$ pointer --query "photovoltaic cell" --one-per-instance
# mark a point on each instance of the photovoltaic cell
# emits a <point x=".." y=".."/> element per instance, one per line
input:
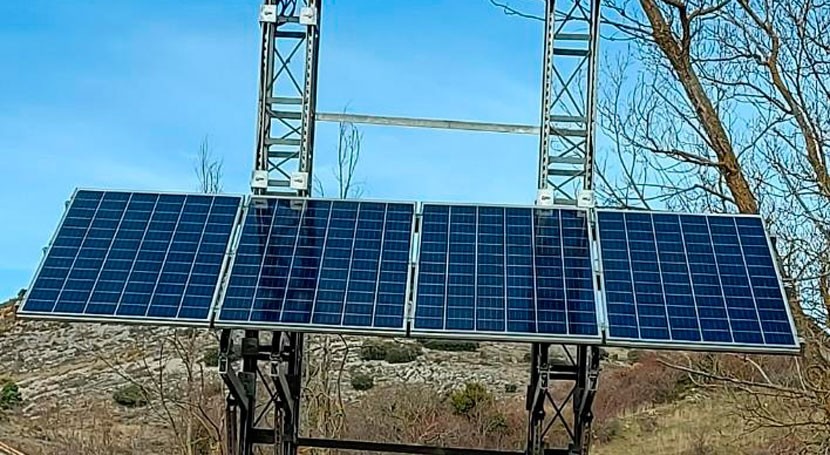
<point x="321" y="265"/>
<point x="505" y="272"/>
<point x="135" y="256"/>
<point x="692" y="280"/>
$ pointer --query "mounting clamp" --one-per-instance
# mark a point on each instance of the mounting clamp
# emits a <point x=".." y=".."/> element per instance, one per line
<point x="299" y="181"/>
<point x="268" y="13"/>
<point x="308" y="15"/>
<point x="585" y="199"/>
<point x="259" y="180"/>
<point x="544" y="197"/>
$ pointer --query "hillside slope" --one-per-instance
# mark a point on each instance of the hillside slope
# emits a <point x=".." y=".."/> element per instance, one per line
<point x="69" y="374"/>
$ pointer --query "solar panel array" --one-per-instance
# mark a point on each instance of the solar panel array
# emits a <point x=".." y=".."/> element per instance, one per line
<point x="318" y="264"/>
<point x="671" y="281"/>
<point x="135" y="256"/>
<point x="691" y="280"/>
<point x="508" y="272"/>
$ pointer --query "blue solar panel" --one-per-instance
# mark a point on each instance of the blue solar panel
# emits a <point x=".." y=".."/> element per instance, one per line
<point x="320" y="265"/>
<point x="505" y="272"/>
<point x="135" y="256"/>
<point x="692" y="280"/>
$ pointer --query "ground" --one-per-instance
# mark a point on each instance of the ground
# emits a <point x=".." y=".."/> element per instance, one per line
<point x="68" y="375"/>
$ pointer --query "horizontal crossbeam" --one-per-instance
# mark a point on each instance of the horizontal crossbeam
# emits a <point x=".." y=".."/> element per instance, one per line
<point x="396" y="448"/>
<point x="412" y="122"/>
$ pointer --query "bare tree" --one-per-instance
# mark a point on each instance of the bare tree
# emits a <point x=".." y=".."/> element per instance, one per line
<point x="723" y="106"/>
<point x="165" y="367"/>
<point x="349" y="141"/>
<point x="208" y="169"/>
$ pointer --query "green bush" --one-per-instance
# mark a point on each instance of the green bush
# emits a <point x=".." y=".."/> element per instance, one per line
<point x="10" y="396"/>
<point x="389" y="351"/>
<point x="373" y="350"/>
<point x="130" y="396"/>
<point x="450" y="345"/>
<point x="210" y="356"/>
<point x="362" y="381"/>
<point x="402" y="353"/>
<point x="496" y="423"/>
<point x="607" y="431"/>
<point x="560" y="361"/>
<point x="474" y="395"/>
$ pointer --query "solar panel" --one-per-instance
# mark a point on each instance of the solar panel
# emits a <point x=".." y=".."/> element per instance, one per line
<point x="320" y="265"/>
<point x="132" y="256"/>
<point x="692" y="281"/>
<point x="513" y="273"/>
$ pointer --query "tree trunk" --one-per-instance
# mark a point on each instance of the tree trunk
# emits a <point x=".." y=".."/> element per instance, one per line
<point x="678" y="56"/>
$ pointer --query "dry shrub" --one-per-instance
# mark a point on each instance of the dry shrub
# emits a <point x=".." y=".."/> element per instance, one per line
<point x="94" y="429"/>
<point x="788" y="444"/>
<point x="100" y="441"/>
<point x="780" y="370"/>
<point x="607" y="431"/>
<point x="419" y="415"/>
<point x="647" y="423"/>
<point x="646" y="383"/>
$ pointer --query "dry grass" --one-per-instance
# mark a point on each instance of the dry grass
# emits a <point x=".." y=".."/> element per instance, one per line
<point x="706" y="425"/>
<point x="632" y="388"/>
<point x="418" y="415"/>
<point x="93" y="428"/>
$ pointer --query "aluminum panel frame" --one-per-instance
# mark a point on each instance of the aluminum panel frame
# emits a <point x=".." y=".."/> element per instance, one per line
<point x="679" y="345"/>
<point x="100" y="319"/>
<point x="593" y="340"/>
<point x="309" y="327"/>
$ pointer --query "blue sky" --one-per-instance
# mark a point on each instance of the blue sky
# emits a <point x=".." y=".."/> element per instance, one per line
<point x="118" y="94"/>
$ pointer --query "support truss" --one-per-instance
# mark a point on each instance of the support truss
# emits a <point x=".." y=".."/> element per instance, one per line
<point x="263" y="405"/>
<point x="566" y="146"/>
<point x="287" y="94"/>
<point x="561" y="413"/>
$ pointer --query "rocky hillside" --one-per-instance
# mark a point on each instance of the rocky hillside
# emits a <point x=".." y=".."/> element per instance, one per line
<point x="102" y="389"/>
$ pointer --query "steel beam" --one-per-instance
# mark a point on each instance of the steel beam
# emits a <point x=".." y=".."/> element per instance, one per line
<point x="287" y="102"/>
<point x="412" y="122"/>
<point x="396" y="448"/>
<point x="235" y="388"/>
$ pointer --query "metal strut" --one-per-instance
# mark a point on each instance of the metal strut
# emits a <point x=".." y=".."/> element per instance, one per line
<point x="270" y="415"/>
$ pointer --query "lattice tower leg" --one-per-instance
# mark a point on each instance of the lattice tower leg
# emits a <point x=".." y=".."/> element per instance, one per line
<point x="566" y="143"/>
<point x="551" y="414"/>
